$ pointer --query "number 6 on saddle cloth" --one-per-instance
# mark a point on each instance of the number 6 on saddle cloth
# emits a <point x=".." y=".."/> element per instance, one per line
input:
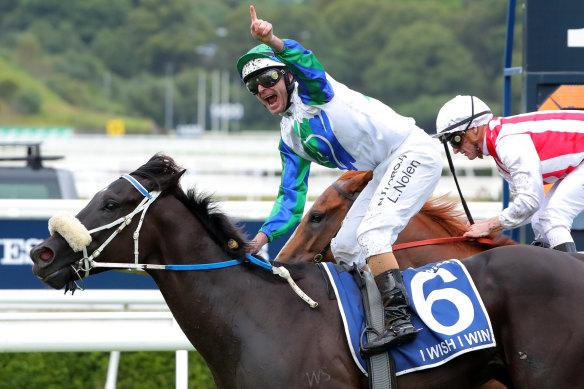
<point x="448" y="312"/>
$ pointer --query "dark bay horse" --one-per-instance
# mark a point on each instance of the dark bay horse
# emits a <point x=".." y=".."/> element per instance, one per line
<point x="254" y="331"/>
<point x="438" y="219"/>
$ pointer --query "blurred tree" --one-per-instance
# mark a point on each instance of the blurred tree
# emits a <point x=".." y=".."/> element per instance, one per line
<point x="27" y="101"/>
<point x="8" y="88"/>
<point x="481" y="28"/>
<point x="29" y="54"/>
<point x="117" y="54"/>
<point x="185" y="105"/>
<point x="83" y="66"/>
<point x="166" y="32"/>
<point x="438" y="65"/>
<point x="91" y="16"/>
<point x="345" y="22"/>
<point x="424" y="110"/>
<point x="87" y="17"/>
<point x="145" y="95"/>
<point x="56" y="38"/>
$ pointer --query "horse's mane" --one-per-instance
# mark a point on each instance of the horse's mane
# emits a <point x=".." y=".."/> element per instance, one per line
<point x="448" y="214"/>
<point x="164" y="174"/>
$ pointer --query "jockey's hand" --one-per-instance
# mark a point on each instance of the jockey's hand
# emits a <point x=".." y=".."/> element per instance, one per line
<point x="483" y="228"/>
<point x="254" y="245"/>
<point x="263" y="31"/>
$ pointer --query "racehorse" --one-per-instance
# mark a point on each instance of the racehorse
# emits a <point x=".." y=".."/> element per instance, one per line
<point x="428" y="237"/>
<point x="253" y="331"/>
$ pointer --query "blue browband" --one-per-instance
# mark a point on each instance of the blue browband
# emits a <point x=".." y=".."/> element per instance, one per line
<point x="137" y="185"/>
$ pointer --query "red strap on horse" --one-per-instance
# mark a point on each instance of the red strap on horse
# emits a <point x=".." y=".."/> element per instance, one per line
<point x="450" y="239"/>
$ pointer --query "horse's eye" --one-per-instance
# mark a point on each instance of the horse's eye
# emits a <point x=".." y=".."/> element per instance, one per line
<point x="316" y="217"/>
<point x="110" y="205"/>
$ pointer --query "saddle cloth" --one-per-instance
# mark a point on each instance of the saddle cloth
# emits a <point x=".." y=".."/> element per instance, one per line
<point x="448" y="312"/>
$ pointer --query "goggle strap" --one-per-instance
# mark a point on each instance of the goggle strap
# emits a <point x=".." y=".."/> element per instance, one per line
<point x="467" y="120"/>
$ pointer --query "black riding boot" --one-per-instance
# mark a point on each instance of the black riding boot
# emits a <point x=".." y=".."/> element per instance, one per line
<point x="569" y="247"/>
<point x="398" y="325"/>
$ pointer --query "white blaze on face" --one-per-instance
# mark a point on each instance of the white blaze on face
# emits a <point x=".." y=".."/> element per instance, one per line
<point x="71" y="229"/>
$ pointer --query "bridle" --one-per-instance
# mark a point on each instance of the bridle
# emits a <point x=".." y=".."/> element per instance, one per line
<point x="88" y="262"/>
<point x="401" y="246"/>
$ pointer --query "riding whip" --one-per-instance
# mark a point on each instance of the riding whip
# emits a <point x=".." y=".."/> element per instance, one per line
<point x="462" y="200"/>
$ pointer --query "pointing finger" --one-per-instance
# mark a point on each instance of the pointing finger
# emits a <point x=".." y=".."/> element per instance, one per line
<point x="253" y="13"/>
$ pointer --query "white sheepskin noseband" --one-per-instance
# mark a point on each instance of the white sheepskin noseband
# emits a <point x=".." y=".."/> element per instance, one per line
<point x="71" y="229"/>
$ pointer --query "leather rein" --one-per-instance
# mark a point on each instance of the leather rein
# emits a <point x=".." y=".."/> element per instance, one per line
<point x="402" y="246"/>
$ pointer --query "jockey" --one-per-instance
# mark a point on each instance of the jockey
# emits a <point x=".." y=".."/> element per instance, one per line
<point x="530" y="150"/>
<point x="325" y="122"/>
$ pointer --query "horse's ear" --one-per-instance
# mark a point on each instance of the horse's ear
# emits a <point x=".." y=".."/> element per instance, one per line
<point x="359" y="181"/>
<point x="175" y="178"/>
<point x="354" y="181"/>
<point x="368" y="175"/>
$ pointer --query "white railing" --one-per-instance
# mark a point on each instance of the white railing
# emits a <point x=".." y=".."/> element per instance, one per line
<point x="92" y="320"/>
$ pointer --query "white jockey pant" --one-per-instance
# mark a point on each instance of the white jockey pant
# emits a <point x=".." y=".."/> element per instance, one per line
<point x="401" y="185"/>
<point x="552" y="223"/>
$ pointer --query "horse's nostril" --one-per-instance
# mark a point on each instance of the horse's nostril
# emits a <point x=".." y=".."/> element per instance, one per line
<point x="46" y="254"/>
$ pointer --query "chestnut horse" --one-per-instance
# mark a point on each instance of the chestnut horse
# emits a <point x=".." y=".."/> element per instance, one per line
<point x="254" y="331"/>
<point x="438" y="218"/>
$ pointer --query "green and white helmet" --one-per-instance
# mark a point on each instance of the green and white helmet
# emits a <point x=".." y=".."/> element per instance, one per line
<point x="257" y="59"/>
<point x="460" y="114"/>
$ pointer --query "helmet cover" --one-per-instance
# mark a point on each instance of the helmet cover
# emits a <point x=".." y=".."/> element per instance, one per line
<point x="460" y="114"/>
<point x="263" y="52"/>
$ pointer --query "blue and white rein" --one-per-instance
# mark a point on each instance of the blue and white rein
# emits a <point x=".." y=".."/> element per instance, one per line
<point x="87" y="263"/>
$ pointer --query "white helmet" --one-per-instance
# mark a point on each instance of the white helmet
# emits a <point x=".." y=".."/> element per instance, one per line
<point x="253" y="66"/>
<point x="460" y="114"/>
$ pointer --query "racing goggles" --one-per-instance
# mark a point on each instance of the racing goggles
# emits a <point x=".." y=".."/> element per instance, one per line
<point x="267" y="79"/>
<point x="455" y="139"/>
